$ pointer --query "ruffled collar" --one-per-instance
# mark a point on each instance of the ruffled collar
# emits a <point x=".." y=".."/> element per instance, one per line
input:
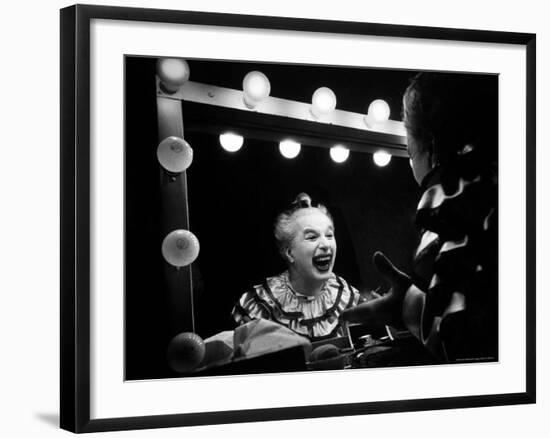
<point x="292" y="302"/>
<point x="285" y="278"/>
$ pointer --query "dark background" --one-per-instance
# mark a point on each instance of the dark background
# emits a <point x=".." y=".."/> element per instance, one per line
<point x="234" y="198"/>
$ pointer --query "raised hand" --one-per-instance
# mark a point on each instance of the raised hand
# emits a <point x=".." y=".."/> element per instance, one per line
<point x="388" y="308"/>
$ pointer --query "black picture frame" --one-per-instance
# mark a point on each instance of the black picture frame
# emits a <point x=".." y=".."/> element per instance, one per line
<point x="76" y="210"/>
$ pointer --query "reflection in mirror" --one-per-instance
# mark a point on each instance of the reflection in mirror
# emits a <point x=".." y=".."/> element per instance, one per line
<point x="230" y="200"/>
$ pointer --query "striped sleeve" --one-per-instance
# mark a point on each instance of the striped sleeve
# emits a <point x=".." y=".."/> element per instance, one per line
<point x="459" y="268"/>
<point x="250" y="307"/>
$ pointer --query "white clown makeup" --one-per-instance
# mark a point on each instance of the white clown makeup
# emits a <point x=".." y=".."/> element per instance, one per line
<point x="312" y="251"/>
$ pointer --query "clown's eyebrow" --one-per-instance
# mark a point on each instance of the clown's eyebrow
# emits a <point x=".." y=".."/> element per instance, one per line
<point x="314" y="230"/>
<point x="307" y="231"/>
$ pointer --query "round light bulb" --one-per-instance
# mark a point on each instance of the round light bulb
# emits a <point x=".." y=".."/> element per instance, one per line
<point x="180" y="248"/>
<point x="381" y="158"/>
<point x="185" y="352"/>
<point x="231" y="142"/>
<point x="378" y="112"/>
<point x="323" y="102"/>
<point x="173" y="73"/>
<point x="289" y="148"/>
<point x="174" y="154"/>
<point x="256" y="87"/>
<point x="339" y="153"/>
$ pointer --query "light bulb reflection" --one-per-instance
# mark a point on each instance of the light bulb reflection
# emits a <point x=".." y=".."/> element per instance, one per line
<point x="231" y="142"/>
<point x="339" y="153"/>
<point x="381" y="158"/>
<point x="289" y="148"/>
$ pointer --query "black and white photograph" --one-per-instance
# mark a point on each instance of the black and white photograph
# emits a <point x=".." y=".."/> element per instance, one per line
<point x="279" y="218"/>
<point x="297" y="218"/>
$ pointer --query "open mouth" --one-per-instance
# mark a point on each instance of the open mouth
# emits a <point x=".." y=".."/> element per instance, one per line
<point x="322" y="262"/>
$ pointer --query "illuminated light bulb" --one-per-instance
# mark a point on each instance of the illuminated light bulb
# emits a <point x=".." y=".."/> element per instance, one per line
<point x="378" y="112"/>
<point x="173" y="73"/>
<point x="256" y="87"/>
<point x="289" y="148"/>
<point x="381" y="158"/>
<point x="174" y="154"/>
<point x="231" y="142"/>
<point x="180" y="248"/>
<point x="339" y="153"/>
<point x="323" y="102"/>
